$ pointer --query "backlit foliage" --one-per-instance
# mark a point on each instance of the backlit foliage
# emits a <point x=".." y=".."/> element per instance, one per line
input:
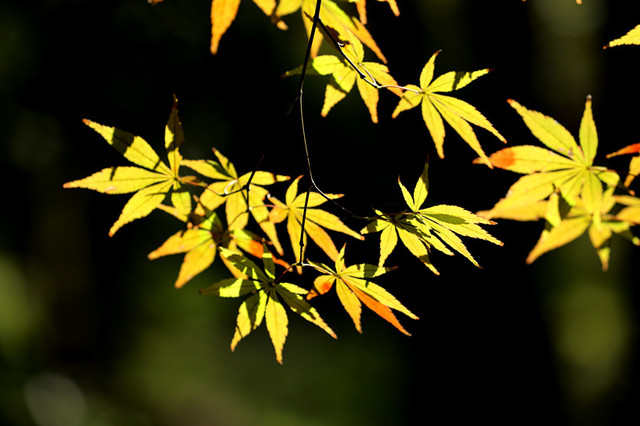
<point x="237" y="217"/>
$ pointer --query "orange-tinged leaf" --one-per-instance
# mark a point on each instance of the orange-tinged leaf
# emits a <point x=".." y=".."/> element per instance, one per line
<point x="634" y="164"/>
<point x="223" y="12"/>
<point x="321" y="285"/>
<point x="355" y="281"/>
<point x="351" y="304"/>
<point x="380" y="309"/>
<point x="629" y="149"/>
<point x="529" y="159"/>
<point x="118" y="180"/>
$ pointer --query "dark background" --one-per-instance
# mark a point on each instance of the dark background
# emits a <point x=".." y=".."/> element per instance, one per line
<point x="92" y="333"/>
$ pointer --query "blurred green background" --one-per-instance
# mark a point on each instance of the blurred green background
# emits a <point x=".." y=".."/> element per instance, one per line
<point x="92" y="333"/>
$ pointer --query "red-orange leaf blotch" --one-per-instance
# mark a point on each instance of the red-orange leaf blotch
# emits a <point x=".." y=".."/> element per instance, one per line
<point x="629" y="149"/>
<point x="502" y="159"/>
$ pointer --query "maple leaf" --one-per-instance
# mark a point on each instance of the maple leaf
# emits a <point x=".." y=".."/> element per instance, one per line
<point x="565" y="166"/>
<point x="634" y="165"/>
<point x="368" y="76"/>
<point x="436" y="106"/>
<point x="230" y="190"/>
<point x="423" y="229"/>
<point x="348" y="28"/>
<point x="267" y="298"/>
<point x="562" y="186"/>
<point x="151" y="179"/>
<point x="200" y="242"/>
<point x="354" y="287"/>
<point x="293" y="209"/>
<point x="632" y="37"/>
<point x="223" y="13"/>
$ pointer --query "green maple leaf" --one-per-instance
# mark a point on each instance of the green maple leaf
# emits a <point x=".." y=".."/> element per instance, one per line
<point x="151" y="180"/>
<point x="229" y="189"/>
<point x="266" y="299"/>
<point x="436" y="106"/>
<point x="353" y="286"/>
<point x="563" y="166"/>
<point x="292" y="211"/>
<point x="344" y="76"/>
<point x="561" y="185"/>
<point x="423" y="229"/>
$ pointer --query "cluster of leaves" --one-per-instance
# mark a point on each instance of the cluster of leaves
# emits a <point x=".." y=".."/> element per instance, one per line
<point x="216" y="207"/>
<point x="561" y="185"/>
